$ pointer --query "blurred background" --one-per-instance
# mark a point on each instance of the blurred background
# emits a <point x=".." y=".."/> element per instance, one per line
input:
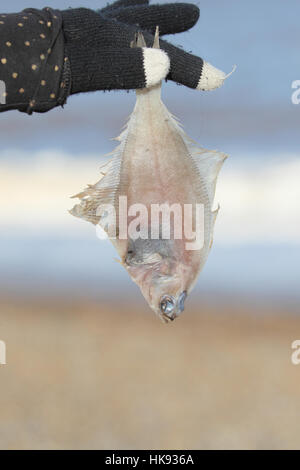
<point x="89" y="366"/>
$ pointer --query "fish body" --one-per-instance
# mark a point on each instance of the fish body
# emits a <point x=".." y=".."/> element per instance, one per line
<point x="156" y="165"/>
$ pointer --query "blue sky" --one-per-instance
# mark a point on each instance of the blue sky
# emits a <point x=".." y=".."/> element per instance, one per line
<point x="46" y="158"/>
<point x="251" y="114"/>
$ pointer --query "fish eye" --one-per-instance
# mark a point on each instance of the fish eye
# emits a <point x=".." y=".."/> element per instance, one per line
<point x="167" y="305"/>
<point x="181" y="300"/>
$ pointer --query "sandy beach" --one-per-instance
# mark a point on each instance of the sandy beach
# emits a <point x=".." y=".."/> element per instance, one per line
<point x="86" y="375"/>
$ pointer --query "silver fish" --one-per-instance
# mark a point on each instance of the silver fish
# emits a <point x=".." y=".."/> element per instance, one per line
<point x="156" y="163"/>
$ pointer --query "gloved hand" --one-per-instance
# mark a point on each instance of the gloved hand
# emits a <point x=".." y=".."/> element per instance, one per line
<point x="97" y="45"/>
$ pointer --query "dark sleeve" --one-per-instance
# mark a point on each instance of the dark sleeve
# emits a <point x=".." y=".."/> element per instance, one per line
<point x="34" y="73"/>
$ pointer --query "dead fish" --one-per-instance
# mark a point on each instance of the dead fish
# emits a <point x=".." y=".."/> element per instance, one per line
<point x="156" y="164"/>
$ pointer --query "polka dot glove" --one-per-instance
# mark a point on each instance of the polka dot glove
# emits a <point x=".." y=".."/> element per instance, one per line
<point x="34" y="75"/>
<point x="98" y="47"/>
<point x="47" y="55"/>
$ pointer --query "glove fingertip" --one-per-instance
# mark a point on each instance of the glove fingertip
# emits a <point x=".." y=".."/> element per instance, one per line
<point x="211" y="78"/>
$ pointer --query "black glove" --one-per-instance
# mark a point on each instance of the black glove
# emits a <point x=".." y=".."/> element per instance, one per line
<point x="97" y="45"/>
<point x="46" y="55"/>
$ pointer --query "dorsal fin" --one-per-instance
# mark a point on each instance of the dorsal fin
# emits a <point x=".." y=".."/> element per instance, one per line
<point x="209" y="164"/>
<point x="101" y="193"/>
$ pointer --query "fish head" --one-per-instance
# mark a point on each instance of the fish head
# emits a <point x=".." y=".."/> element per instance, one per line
<point x="164" y="282"/>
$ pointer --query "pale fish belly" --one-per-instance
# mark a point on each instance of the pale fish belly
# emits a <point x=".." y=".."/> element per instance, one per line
<point x="157" y="163"/>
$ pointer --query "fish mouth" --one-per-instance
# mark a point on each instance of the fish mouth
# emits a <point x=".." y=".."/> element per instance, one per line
<point x="168" y="319"/>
